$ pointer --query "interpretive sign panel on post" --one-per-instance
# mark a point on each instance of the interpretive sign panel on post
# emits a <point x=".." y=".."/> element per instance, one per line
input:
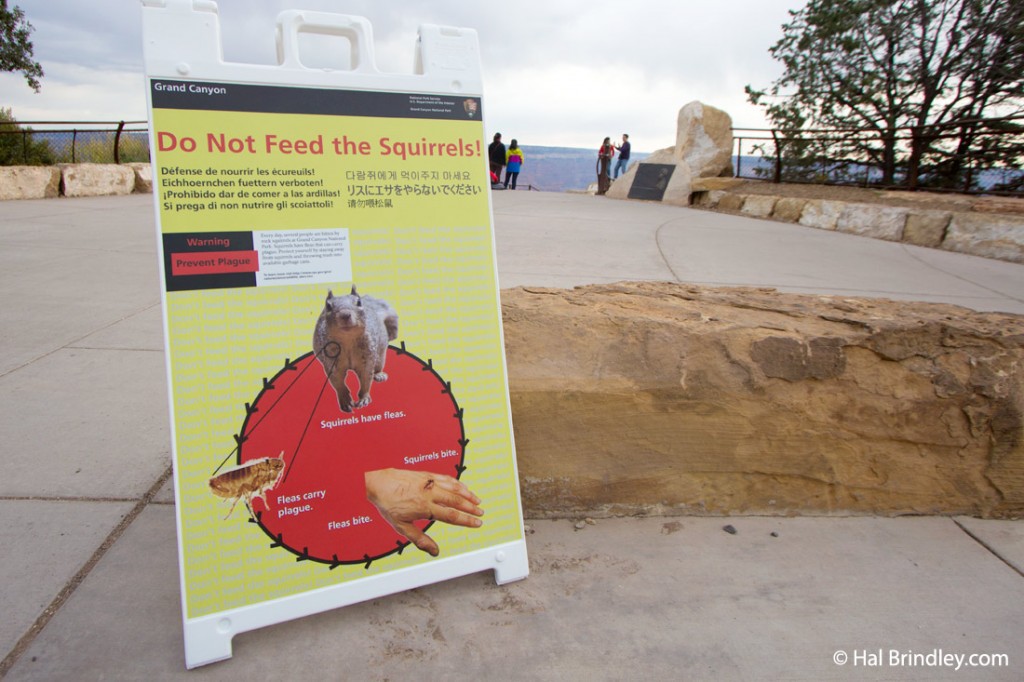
<point x="339" y="397"/>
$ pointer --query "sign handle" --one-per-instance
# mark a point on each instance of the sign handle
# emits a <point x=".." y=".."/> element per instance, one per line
<point x="356" y="30"/>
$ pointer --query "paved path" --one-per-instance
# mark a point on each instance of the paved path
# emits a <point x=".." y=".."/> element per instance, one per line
<point x="89" y="572"/>
<point x="566" y="239"/>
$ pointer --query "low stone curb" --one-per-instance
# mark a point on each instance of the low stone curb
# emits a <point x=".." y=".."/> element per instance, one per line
<point x="991" y="235"/>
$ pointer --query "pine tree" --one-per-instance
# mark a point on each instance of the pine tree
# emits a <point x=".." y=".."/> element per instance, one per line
<point x="15" y="46"/>
<point x="905" y="82"/>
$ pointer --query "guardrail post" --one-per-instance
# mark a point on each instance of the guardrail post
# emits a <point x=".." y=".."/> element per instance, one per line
<point x="117" y="143"/>
<point x="778" y="158"/>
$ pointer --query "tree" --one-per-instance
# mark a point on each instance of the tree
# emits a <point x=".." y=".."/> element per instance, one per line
<point x="936" y="68"/>
<point x="19" y="147"/>
<point x="15" y="46"/>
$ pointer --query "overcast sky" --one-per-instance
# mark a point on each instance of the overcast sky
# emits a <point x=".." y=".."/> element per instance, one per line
<point x="556" y="72"/>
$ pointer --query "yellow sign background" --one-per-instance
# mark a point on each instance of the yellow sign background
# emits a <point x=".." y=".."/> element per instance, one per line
<point x="429" y="252"/>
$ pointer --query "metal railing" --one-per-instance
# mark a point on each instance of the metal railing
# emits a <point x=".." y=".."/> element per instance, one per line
<point x="969" y="156"/>
<point x="37" y="143"/>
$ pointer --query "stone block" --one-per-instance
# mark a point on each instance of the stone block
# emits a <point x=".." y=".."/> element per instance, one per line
<point x="707" y="198"/>
<point x="789" y="209"/>
<point x="732" y="202"/>
<point x="926" y="228"/>
<point x="988" y="235"/>
<point x="29" y="182"/>
<point x="870" y="220"/>
<point x="759" y="205"/>
<point x="143" y="177"/>
<point x="701" y="400"/>
<point x="821" y="214"/>
<point x="95" y="180"/>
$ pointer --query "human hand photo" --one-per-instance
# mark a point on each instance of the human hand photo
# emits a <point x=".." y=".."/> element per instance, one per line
<point x="403" y="496"/>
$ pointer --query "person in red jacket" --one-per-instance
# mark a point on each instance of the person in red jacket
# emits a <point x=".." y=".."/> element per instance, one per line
<point x="604" y="162"/>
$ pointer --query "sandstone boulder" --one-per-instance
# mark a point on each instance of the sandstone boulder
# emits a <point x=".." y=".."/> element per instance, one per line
<point x="677" y="190"/>
<point x="989" y="235"/>
<point x="732" y="202"/>
<point x="94" y="179"/>
<point x="143" y="177"/>
<point x="703" y="149"/>
<point x="29" y="182"/>
<point x="758" y="205"/>
<point x="663" y="398"/>
<point x="704" y="140"/>
<point x="789" y="209"/>
<point x="926" y="228"/>
<point x="709" y="198"/>
<point x="868" y="220"/>
<point x="822" y="214"/>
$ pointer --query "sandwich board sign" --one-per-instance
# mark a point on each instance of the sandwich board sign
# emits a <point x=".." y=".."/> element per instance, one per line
<point x="339" y="396"/>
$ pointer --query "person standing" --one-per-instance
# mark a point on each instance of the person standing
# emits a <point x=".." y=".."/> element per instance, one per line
<point x="496" y="154"/>
<point x="623" y="163"/>
<point x="514" y="159"/>
<point x="604" y="162"/>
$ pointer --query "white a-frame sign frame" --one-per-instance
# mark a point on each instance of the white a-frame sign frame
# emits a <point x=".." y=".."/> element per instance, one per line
<point x="339" y="395"/>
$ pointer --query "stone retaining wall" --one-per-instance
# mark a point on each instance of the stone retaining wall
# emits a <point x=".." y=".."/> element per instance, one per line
<point x="74" y="180"/>
<point x="642" y="398"/>
<point x="987" y="234"/>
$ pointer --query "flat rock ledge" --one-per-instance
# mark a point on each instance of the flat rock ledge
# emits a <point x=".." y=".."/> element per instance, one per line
<point x="658" y="398"/>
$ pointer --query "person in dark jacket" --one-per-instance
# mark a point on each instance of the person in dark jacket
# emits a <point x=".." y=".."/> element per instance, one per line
<point x="496" y="154"/>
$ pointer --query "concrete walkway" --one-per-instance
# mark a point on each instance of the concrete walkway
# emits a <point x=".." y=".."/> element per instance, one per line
<point x="89" y="572"/>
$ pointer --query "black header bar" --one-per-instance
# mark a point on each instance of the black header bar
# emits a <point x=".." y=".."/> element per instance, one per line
<point x="275" y="99"/>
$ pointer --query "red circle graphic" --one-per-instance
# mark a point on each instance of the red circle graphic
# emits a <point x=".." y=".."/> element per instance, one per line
<point x="318" y="509"/>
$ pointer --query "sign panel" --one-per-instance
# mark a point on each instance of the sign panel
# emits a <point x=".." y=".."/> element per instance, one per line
<point x="651" y="180"/>
<point x="339" y="397"/>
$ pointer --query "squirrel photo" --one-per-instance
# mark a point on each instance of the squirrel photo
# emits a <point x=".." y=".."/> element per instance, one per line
<point x="352" y="333"/>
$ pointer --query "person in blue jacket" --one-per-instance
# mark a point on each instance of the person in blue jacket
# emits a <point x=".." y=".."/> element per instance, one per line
<point x="513" y="163"/>
<point x="623" y="163"/>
